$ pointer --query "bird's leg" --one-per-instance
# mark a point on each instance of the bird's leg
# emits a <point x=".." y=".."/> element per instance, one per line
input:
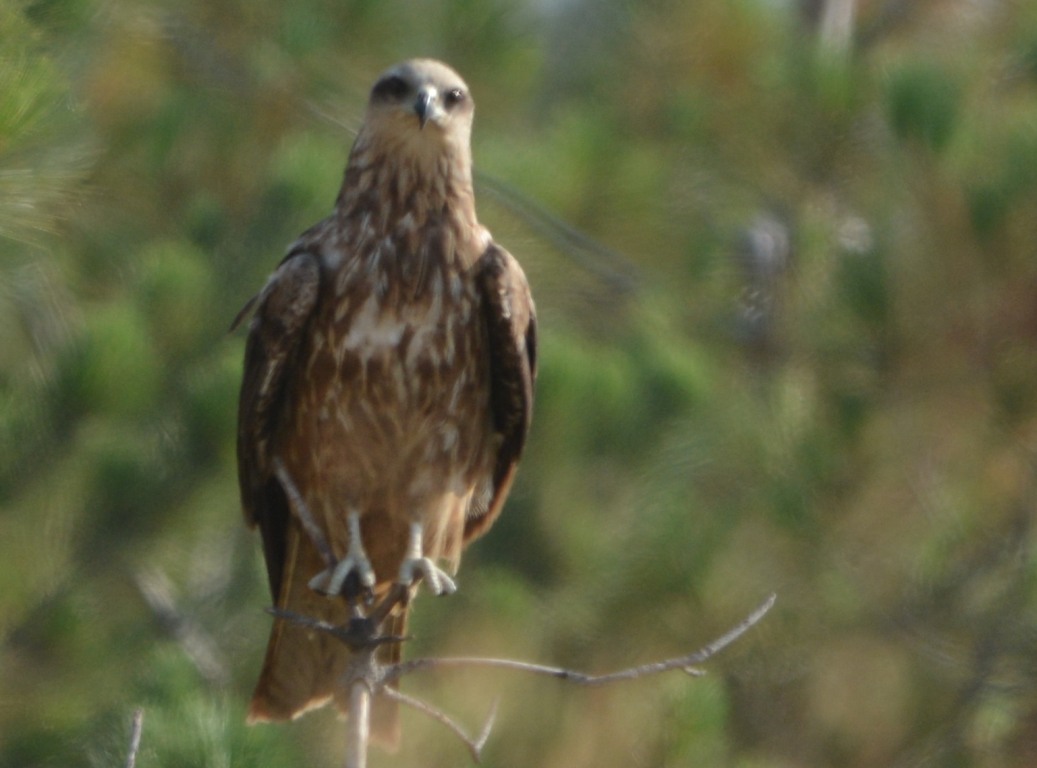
<point x="302" y="512"/>
<point x="415" y="566"/>
<point x="356" y="564"/>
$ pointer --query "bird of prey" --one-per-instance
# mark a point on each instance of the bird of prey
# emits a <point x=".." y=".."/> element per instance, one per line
<point x="388" y="387"/>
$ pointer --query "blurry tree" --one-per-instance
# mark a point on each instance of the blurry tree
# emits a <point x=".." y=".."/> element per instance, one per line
<point x="784" y="259"/>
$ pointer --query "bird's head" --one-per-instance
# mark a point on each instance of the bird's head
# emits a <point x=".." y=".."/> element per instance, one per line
<point x="421" y="105"/>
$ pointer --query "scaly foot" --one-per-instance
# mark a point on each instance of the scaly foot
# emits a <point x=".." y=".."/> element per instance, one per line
<point x="356" y="564"/>
<point x="416" y="566"/>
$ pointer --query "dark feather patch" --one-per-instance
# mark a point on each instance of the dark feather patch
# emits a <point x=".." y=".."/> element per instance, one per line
<point x="510" y="319"/>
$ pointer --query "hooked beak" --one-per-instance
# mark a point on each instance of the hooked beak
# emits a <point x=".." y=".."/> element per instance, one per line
<point x="425" y="105"/>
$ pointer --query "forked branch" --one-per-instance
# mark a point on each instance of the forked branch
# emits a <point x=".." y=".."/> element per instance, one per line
<point x="474" y="745"/>
<point x="367" y="677"/>
<point x="580" y="678"/>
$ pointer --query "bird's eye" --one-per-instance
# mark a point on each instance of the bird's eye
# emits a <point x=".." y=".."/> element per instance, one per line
<point x="453" y="97"/>
<point x="391" y="87"/>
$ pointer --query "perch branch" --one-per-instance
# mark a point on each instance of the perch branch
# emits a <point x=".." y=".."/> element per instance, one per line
<point x="580" y="678"/>
<point x="367" y="677"/>
<point x="360" y="633"/>
<point x="359" y="724"/>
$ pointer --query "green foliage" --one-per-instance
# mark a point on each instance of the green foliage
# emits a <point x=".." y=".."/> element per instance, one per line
<point x="788" y="347"/>
<point x="114" y="368"/>
<point x="176" y="292"/>
<point x="38" y="161"/>
<point x="924" y="102"/>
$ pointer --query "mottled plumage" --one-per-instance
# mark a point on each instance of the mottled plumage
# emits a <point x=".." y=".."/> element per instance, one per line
<point x="389" y="371"/>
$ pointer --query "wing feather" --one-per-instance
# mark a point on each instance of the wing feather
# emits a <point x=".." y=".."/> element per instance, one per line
<point x="276" y="333"/>
<point x="510" y="319"/>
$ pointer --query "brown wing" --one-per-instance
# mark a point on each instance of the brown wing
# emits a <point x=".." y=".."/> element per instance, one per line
<point x="510" y="320"/>
<point x="276" y="334"/>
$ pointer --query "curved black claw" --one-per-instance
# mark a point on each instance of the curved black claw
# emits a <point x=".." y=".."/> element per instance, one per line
<point x="358" y="633"/>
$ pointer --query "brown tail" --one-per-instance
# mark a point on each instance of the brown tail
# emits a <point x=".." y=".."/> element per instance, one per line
<point x="304" y="668"/>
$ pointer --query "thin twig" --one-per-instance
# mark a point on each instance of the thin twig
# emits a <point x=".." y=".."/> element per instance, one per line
<point x="135" y="733"/>
<point x="475" y="745"/>
<point x="192" y="637"/>
<point x="685" y="663"/>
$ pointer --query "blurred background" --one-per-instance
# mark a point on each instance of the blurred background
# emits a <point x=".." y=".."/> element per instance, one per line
<point x="784" y="258"/>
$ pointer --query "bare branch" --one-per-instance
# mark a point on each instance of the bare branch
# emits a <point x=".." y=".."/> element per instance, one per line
<point x="484" y="734"/>
<point x="475" y="745"/>
<point x="359" y="724"/>
<point x="367" y="677"/>
<point x="135" y="733"/>
<point x="580" y="678"/>
<point x="199" y="646"/>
